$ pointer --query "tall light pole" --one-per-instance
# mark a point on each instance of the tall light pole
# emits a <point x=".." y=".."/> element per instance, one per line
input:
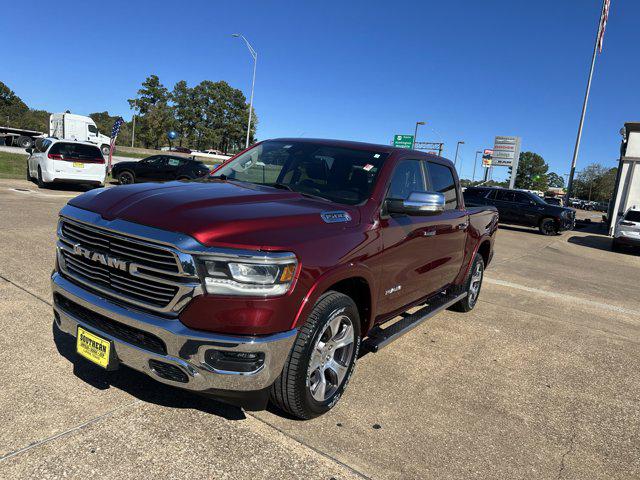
<point x="254" y="55"/>
<point x="455" y="160"/>
<point x="133" y="132"/>
<point x="415" y="134"/>
<point x="473" y="178"/>
<point x="597" y="45"/>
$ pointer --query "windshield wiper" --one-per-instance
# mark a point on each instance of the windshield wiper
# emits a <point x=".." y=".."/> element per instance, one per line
<point x="222" y="176"/>
<point x="281" y="186"/>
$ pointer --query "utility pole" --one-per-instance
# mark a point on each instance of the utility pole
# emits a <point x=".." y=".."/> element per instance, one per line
<point x="455" y="160"/>
<point x="133" y="131"/>
<point x="475" y="160"/>
<point x="415" y="133"/>
<point x="254" y="55"/>
<point x="603" y="16"/>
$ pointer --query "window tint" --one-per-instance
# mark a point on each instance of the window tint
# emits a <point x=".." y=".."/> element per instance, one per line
<point x="93" y="129"/>
<point x="493" y="194"/>
<point x="76" y="150"/>
<point x="407" y="178"/>
<point x="441" y="180"/>
<point x="521" y="198"/>
<point x="155" y="160"/>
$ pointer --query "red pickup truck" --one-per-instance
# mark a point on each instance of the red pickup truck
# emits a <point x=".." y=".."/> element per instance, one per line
<point x="264" y="280"/>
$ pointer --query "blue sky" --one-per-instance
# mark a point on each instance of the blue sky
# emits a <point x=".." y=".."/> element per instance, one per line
<point x="361" y="70"/>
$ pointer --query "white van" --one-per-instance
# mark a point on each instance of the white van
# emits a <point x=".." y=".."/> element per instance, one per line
<point x="70" y="126"/>
<point x="53" y="160"/>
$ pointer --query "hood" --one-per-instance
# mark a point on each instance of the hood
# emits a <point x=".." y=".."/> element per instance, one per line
<point x="220" y="213"/>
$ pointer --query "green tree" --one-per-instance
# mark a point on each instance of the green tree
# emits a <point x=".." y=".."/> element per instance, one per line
<point x="532" y="172"/>
<point x="185" y="110"/>
<point x="155" y="117"/>
<point x="555" y="180"/>
<point x="12" y="108"/>
<point x="595" y="182"/>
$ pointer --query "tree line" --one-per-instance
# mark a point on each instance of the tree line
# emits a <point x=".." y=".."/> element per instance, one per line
<point x="210" y="115"/>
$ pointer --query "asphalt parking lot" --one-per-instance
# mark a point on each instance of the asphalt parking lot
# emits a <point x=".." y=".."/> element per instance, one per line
<point x="541" y="380"/>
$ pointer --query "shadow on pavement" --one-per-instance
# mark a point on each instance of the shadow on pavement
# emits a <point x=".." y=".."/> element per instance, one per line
<point x="599" y="242"/>
<point x="138" y="384"/>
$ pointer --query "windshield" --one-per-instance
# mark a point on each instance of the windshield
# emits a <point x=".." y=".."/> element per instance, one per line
<point x="342" y="175"/>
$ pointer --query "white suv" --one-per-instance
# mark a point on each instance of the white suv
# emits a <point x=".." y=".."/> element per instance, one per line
<point x="53" y="160"/>
<point x="627" y="231"/>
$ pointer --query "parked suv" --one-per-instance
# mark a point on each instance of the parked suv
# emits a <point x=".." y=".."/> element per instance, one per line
<point x="627" y="231"/>
<point x="519" y="207"/>
<point x="52" y="160"/>
<point x="264" y="280"/>
<point x="159" y="168"/>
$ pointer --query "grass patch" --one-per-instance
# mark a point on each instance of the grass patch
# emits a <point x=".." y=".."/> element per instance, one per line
<point x="119" y="153"/>
<point x="13" y="165"/>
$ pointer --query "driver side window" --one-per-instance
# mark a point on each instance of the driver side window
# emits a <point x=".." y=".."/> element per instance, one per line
<point x="407" y="177"/>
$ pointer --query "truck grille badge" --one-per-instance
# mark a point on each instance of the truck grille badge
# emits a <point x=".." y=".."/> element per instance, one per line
<point x="102" y="258"/>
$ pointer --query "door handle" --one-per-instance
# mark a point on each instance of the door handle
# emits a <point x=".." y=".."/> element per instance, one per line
<point x="463" y="225"/>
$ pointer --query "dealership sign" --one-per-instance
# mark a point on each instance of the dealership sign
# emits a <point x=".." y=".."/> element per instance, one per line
<point x="505" y="151"/>
<point x="487" y="156"/>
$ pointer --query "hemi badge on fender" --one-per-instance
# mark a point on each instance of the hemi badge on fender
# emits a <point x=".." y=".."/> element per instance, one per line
<point x="335" y="217"/>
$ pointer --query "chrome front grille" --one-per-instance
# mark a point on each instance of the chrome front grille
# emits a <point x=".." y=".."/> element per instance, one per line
<point x="148" y="275"/>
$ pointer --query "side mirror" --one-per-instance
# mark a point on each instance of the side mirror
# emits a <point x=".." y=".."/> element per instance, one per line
<point x="418" y="203"/>
<point x="29" y="150"/>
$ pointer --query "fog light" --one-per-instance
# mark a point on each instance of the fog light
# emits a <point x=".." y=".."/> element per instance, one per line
<point x="241" y="362"/>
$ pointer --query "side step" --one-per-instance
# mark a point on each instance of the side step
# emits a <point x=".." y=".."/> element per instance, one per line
<point x="380" y="337"/>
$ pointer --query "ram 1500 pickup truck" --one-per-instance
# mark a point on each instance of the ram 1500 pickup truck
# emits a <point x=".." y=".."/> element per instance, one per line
<point x="264" y="280"/>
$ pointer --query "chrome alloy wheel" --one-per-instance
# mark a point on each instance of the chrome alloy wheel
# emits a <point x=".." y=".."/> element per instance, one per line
<point x="476" y="282"/>
<point x="330" y="359"/>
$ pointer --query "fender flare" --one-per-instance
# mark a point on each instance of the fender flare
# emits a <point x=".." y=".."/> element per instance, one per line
<point x="481" y="240"/>
<point x="322" y="284"/>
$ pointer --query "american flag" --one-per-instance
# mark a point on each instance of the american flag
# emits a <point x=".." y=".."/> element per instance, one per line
<point x="114" y="135"/>
<point x="603" y="23"/>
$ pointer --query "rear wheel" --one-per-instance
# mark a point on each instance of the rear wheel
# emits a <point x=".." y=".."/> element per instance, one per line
<point x="105" y="149"/>
<point x="126" y="178"/>
<point x="25" y="142"/>
<point x="472" y="285"/>
<point x="39" y="180"/>
<point x="322" y="359"/>
<point x="548" y="226"/>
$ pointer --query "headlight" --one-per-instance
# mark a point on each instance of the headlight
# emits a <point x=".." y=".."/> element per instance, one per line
<point x="266" y="276"/>
<point x="566" y="213"/>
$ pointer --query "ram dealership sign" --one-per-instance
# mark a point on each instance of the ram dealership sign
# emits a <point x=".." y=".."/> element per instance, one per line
<point x="505" y="151"/>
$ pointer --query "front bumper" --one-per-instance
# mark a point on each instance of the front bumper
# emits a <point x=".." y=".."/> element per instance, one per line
<point x="624" y="238"/>
<point x="185" y="348"/>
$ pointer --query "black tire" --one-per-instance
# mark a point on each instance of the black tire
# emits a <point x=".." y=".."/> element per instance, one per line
<point x="473" y="291"/>
<point x="548" y="226"/>
<point x="25" y="142"/>
<point x="39" y="180"/>
<point x="293" y="390"/>
<point x="105" y="150"/>
<point x="126" y="178"/>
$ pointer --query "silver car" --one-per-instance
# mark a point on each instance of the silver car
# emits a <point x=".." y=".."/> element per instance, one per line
<point x="627" y="231"/>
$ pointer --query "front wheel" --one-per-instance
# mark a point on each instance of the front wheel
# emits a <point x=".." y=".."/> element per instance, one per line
<point x="105" y="150"/>
<point x="548" y="226"/>
<point x="126" y="178"/>
<point x="322" y="359"/>
<point x="472" y="285"/>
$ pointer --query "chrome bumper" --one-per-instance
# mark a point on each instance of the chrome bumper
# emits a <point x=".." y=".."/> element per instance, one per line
<point x="185" y="347"/>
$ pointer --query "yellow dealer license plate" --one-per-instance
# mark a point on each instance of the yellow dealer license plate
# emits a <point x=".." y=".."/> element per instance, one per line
<point x="93" y="348"/>
<point x="78" y="164"/>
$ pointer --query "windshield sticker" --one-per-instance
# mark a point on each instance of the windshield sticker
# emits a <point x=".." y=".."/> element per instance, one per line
<point x="287" y="146"/>
<point x="367" y="167"/>
<point x="377" y="155"/>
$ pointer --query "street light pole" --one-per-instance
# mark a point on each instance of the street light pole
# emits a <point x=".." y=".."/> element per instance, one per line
<point x="415" y="134"/>
<point x="254" y="55"/>
<point x="133" y="132"/>
<point x="584" y="104"/>
<point x="475" y="160"/>
<point x="455" y="160"/>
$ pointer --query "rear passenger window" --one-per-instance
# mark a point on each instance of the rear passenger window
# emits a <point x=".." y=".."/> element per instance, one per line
<point x="441" y="180"/>
<point x="407" y="178"/>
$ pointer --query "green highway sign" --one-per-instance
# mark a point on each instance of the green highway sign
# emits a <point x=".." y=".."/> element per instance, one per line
<point x="403" y="141"/>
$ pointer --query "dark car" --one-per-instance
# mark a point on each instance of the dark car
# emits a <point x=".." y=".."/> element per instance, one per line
<point x="159" y="168"/>
<point x="519" y="207"/>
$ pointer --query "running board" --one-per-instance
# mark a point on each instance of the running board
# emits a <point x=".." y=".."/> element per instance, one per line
<point x="380" y="337"/>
